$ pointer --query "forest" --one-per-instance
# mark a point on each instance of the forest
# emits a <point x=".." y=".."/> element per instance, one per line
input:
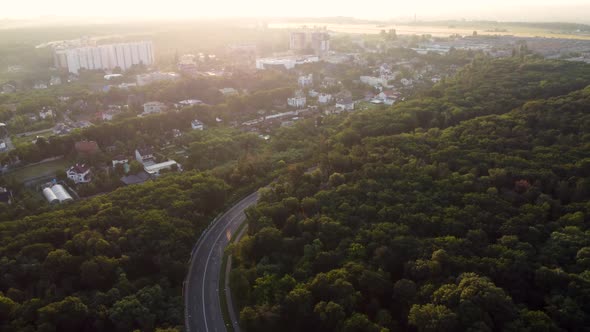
<point x="463" y="208"/>
<point x="446" y="214"/>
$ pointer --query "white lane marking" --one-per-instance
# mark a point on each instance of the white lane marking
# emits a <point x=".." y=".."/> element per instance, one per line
<point x="209" y="257"/>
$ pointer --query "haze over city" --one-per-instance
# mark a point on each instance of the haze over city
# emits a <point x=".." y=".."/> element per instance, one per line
<point x="501" y="10"/>
<point x="308" y="165"/>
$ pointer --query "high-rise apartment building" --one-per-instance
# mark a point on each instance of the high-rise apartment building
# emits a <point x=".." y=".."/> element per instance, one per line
<point x="316" y="40"/>
<point x="104" y="57"/>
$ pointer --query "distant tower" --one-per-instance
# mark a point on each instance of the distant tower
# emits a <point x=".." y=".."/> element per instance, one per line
<point x="297" y="41"/>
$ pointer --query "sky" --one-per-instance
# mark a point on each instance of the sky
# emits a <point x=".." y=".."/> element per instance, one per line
<point x="501" y="10"/>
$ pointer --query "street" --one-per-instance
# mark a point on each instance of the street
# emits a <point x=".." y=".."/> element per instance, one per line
<point x="201" y="293"/>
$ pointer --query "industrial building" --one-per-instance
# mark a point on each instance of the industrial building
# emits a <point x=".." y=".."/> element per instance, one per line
<point x="104" y="57"/>
<point x="56" y="193"/>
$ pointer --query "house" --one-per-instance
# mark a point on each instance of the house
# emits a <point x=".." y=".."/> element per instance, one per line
<point x="406" y="82"/>
<point x="86" y="148"/>
<point x="79" y="173"/>
<point x="329" y="82"/>
<point x="61" y="129"/>
<point x="40" y="86"/>
<point x="188" y="102"/>
<point x="297" y="102"/>
<point x="305" y="80"/>
<point x="46" y="113"/>
<point x="145" y="79"/>
<point x="120" y="159"/>
<point x="197" y="125"/>
<point x="106" y="115"/>
<point x="388" y="97"/>
<point x="153" y="107"/>
<point x="144" y="155"/>
<point x="324" y="98"/>
<point x="345" y="104"/>
<point x="313" y="93"/>
<point x="228" y="91"/>
<point x="109" y="113"/>
<point x="375" y="81"/>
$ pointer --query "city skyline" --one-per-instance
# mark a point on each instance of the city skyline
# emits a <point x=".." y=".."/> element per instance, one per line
<point x="501" y="10"/>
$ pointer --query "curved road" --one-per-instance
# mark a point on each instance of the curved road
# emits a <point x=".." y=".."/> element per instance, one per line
<point x="201" y="292"/>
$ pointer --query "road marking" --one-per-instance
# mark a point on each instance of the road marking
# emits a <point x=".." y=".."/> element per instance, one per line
<point x="207" y="264"/>
<point x="207" y="232"/>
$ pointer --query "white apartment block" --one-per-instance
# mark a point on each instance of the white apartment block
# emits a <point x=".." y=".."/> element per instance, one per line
<point x="104" y="57"/>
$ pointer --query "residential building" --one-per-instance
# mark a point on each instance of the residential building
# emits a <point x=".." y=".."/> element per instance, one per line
<point x="305" y="80"/>
<point x="187" y="64"/>
<point x="302" y="40"/>
<point x="40" y="86"/>
<point x="104" y="57"/>
<point x="120" y="160"/>
<point x="345" y="104"/>
<point x="79" y="173"/>
<point x="297" y="41"/>
<point x="149" y="78"/>
<point x="313" y="93"/>
<point x="46" y="113"/>
<point x="189" y="102"/>
<point x="388" y="97"/>
<point x="324" y="98"/>
<point x="375" y="81"/>
<point x="298" y="101"/>
<point x="197" y="125"/>
<point x="144" y="155"/>
<point x="228" y="91"/>
<point x="153" y="107"/>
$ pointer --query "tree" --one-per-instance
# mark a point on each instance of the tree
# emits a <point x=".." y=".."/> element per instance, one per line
<point x="432" y="318"/>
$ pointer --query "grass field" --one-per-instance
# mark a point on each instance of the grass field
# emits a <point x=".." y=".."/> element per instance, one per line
<point x="17" y="140"/>
<point x="39" y="170"/>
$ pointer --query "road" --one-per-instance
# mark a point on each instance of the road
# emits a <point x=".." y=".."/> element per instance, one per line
<point x="201" y="293"/>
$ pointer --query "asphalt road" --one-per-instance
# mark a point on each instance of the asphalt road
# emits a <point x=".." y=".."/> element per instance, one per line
<point x="201" y="290"/>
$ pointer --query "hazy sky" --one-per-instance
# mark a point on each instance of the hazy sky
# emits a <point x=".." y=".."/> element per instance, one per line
<point x="515" y="10"/>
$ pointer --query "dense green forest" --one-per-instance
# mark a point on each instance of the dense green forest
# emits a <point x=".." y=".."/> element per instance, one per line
<point x="464" y="212"/>
<point x="114" y="262"/>
<point x="463" y="208"/>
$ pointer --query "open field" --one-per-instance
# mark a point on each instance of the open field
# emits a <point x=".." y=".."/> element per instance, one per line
<point x="39" y="170"/>
<point x="441" y="30"/>
<point x="18" y="140"/>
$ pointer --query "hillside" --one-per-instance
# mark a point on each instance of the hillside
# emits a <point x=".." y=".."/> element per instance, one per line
<point x="479" y="226"/>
